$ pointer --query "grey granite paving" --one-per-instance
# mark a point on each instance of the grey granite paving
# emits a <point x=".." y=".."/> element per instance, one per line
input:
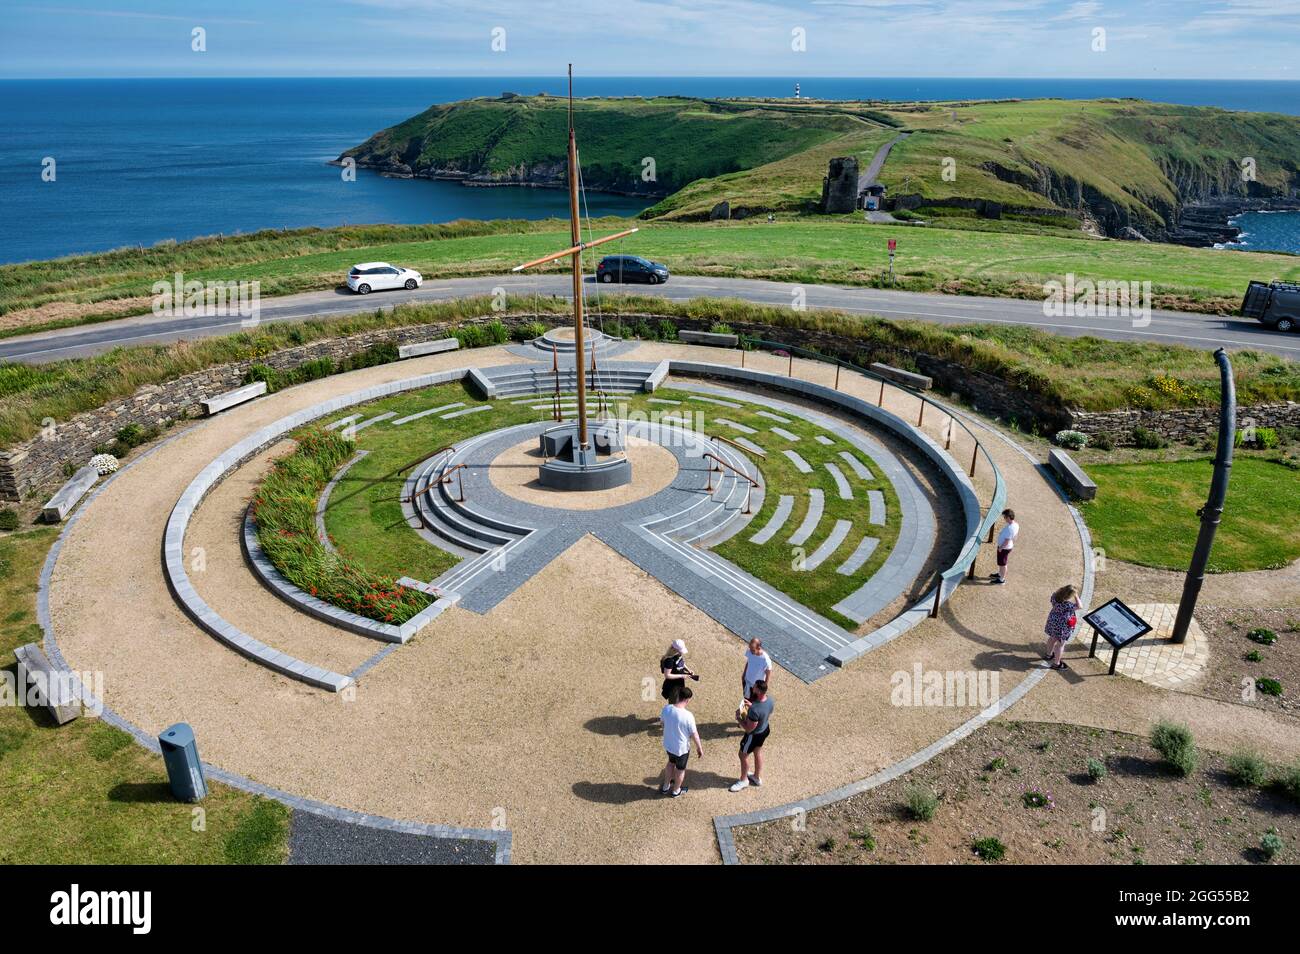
<point x="469" y="410"/>
<point x="859" y="468"/>
<point x="800" y="464"/>
<point x="751" y="446"/>
<point x="774" y="524"/>
<point x="662" y="401"/>
<point x="735" y="426"/>
<point x="823" y="439"/>
<point x="773" y="417"/>
<point x="374" y="420"/>
<point x="700" y="397"/>
<point x="860" y="555"/>
<point x="343" y="422"/>
<point x="433" y="410"/>
<point x="784" y="434"/>
<point x="841" y="484"/>
<point x="876" y="507"/>
<point x="829" y="545"/>
<point x="816" y="504"/>
<point x="316" y="839"/>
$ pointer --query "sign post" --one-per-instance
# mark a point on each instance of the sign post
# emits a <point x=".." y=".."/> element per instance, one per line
<point x="893" y="244"/>
<point x="1118" y="624"/>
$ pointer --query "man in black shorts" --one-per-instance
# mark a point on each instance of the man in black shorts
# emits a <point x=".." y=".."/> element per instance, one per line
<point x="753" y="717"/>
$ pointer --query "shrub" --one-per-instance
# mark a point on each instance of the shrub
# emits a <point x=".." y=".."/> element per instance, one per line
<point x="1264" y="438"/>
<point x="865" y="838"/>
<point x="989" y="849"/>
<point x="1270" y="844"/>
<point x="1247" y="768"/>
<point x="528" y="331"/>
<point x="1096" y="769"/>
<point x="667" y="330"/>
<point x="721" y="328"/>
<point x="1270" y="687"/>
<point x="1262" y="635"/>
<point x="1288" y="781"/>
<point x="383" y="352"/>
<point x="1174" y="743"/>
<point x="1073" y="440"/>
<point x="8" y="519"/>
<point x="1104" y="442"/>
<point x="920" y="802"/>
<point x="1033" y="798"/>
<point x="1148" y="439"/>
<point x="1254" y="656"/>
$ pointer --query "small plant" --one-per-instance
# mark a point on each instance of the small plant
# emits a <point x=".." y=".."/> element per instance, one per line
<point x="1033" y="798"/>
<point x="1073" y="440"/>
<point x="720" y="328"/>
<point x="865" y="838"/>
<point x="1247" y="768"/>
<point x="1148" y="439"/>
<point x="1254" y="656"/>
<point x="1104" y="442"/>
<point x="1263" y="438"/>
<point x="1271" y="844"/>
<point x="1262" y="635"/>
<point x="528" y="331"/>
<point x="1175" y="745"/>
<point x="1096" y="769"/>
<point x="8" y="519"/>
<point x="1288" y="782"/>
<point x="997" y="764"/>
<point x="827" y="846"/>
<point x="1270" y="687"/>
<point x="989" y="849"/>
<point x="921" y="802"/>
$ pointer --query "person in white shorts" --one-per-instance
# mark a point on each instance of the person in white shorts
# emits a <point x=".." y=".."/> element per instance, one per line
<point x="758" y="665"/>
<point x="679" y="733"/>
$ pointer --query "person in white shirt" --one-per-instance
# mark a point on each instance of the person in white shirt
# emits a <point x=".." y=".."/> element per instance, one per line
<point x="1006" y="542"/>
<point x="679" y="733"/>
<point x="758" y="665"/>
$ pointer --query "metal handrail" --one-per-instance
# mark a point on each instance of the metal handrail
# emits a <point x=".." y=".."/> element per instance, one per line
<point x="728" y="440"/>
<point x="749" y="493"/>
<point x="459" y="471"/>
<point x="428" y="483"/>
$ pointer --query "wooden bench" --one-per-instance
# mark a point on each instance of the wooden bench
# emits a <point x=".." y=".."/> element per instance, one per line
<point x="228" y="400"/>
<point x="427" y="347"/>
<point x="911" y="379"/>
<point x="49" y="688"/>
<point x="1071" y="474"/>
<point x="67" y="496"/>
<point x="708" y="338"/>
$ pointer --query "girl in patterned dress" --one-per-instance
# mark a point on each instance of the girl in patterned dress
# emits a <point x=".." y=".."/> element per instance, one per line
<point x="1061" y="622"/>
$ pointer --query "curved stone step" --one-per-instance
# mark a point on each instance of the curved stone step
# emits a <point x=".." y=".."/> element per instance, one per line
<point x="860" y="555"/>
<point x="800" y="464"/>
<point x="859" y="468"/>
<point x="828" y="546"/>
<point x="816" y="504"/>
<point x="784" y="504"/>
<point x="841" y="482"/>
<point x="876" y="507"/>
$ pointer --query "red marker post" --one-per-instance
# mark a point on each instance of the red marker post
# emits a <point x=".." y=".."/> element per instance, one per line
<point x="893" y="244"/>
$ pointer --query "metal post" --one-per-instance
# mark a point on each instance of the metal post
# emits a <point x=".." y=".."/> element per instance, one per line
<point x="938" y="594"/>
<point x="790" y="371"/>
<point x="1212" y="512"/>
<point x="921" y="417"/>
<point x="974" y="451"/>
<point x="881" y="401"/>
<point x="837" y="374"/>
<point x="947" y="443"/>
<point x="460" y="479"/>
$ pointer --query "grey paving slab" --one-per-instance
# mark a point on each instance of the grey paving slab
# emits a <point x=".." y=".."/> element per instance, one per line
<point x="800" y="464"/>
<point x="701" y="397"/>
<point x="662" y="401"/>
<point x="431" y="411"/>
<point x="784" y="505"/>
<point x="841" y="484"/>
<point x="342" y="422"/>
<point x="735" y="426"/>
<point x="876" y="507"/>
<point x="469" y="410"/>
<point x="751" y="446"/>
<point x="816" y="504"/>
<point x="860" y="469"/>
<point x="374" y="420"/>
<point x="828" y="546"/>
<point x="823" y="439"/>
<point x="784" y="434"/>
<point x="773" y="417"/>
<point x="860" y="555"/>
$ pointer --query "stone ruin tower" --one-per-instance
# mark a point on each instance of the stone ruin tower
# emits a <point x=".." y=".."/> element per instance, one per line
<point x="840" y="186"/>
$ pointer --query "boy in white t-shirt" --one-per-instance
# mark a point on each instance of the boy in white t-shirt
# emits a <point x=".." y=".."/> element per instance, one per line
<point x="1006" y="542"/>
<point x="679" y="732"/>
<point x="758" y="665"/>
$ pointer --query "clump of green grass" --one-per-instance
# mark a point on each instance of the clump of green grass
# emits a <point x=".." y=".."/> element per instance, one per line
<point x="8" y="519"/>
<point x="1176" y="747"/>
<point x="261" y="835"/>
<point x="1096" y="769"/>
<point x="284" y="512"/>
<point x="1247" y="768"/>
<point x="989" y="849"/>
<point x="1271" y="844"/>
<point x="1270" y="687"/>
<point x="920" y="802"/>
<point x="1262" y="635"/>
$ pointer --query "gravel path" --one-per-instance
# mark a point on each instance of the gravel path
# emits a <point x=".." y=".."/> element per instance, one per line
<point x="319" y="840"/>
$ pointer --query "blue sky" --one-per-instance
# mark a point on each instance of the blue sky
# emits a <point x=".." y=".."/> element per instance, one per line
<point x="1165" y="39"/>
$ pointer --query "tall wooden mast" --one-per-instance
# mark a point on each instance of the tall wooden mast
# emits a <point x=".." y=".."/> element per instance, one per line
<point x="574" y="252"/>
<point x="575" y="235"/>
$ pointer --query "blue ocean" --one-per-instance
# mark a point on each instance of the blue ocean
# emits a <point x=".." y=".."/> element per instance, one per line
<point x="143" y="161"/>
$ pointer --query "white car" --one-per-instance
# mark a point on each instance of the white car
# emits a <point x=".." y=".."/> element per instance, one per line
<point x="377" y="276"/>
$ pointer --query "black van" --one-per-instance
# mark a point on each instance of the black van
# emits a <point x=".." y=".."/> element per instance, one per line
<point x="1276" y="304"/>
<point x="631" y="268"/>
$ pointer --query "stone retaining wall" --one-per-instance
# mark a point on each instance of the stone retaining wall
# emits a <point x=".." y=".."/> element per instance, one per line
<point x="1191" y="425"/>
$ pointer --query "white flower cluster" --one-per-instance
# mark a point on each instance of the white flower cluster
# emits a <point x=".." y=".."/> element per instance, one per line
<point x="104" y="463"/>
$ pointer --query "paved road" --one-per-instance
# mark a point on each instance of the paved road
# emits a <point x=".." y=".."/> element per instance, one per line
<point x="1197" y="331"/>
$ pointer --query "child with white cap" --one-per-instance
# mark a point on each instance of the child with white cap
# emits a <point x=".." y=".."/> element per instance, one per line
<point x="675" y="673"/>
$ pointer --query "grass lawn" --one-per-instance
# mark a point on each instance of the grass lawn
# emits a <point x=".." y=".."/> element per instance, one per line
<point x="1146" y="513"/>
<point x="85" y="793"/>
<point x="835" y="249"/>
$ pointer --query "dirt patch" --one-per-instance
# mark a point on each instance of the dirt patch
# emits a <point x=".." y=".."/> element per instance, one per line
<point x="1232" y="663"/>
<point x="59" y="311"/>
<point x="1139" y="812"/>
